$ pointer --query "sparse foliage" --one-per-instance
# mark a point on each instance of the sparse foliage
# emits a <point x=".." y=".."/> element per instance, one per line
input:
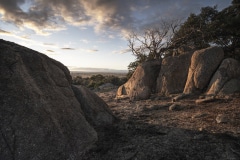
<point x="152" y="43"/>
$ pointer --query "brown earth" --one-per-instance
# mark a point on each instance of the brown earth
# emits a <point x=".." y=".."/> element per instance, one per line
<point x="148" y="130"/>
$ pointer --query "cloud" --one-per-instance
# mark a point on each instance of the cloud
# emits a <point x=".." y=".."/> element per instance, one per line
<point x="68" y="48"/>
<point x="114" y="14"/>
<point x="49" y="44"/>
<point x="10" y="34"/>
<point x="3" y="32"/>
<point x="111" y="36"/>
<point x="45" y="17"/>
<point x="50" y="50"/>
<point x="42" y="16"/>
<point x="92" y="50"/>
<point x="123" y="51"/>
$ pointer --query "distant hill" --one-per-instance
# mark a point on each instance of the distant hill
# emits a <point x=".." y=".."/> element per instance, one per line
<point x="98" y="70"/>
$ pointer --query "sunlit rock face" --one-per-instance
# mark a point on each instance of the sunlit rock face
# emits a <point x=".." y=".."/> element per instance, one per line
<point x="203" y="71"/>
<point x="143" y="81"/>
<point x="226" y="80"/>
<point x="173" y="74"/>
<point x="40" y="117"/>
<point x="204" y="63"/>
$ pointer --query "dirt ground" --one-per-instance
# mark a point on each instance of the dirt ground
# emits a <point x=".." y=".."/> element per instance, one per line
<point x="147" y="129"/>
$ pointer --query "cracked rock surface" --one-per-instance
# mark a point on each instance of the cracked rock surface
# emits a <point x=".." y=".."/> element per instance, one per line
<point x="40" y="117"/>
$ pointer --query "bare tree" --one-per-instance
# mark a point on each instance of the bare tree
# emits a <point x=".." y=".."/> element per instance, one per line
<point x="153" y="42"/>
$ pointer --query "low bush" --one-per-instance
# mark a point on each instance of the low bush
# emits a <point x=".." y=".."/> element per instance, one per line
<point x="97" y="80"/>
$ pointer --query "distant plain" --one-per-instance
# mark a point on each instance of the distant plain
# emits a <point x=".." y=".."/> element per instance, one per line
<point x="89" y="74"/>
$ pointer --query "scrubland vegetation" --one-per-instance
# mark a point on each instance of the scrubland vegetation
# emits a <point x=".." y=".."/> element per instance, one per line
<point x="94" y="81"/>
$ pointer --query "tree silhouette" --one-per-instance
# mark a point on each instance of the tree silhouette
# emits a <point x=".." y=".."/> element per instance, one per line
<point x="153" y="42"/>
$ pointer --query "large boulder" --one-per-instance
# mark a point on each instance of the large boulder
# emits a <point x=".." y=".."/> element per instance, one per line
<point x="143" y="81"/>
<point x="203" y="65"/>
<point x="95" y="109"/>
<point x="232" y="86"/>
<point x="40" y="117"/>
<point x="226" y="79"/>
<point x="173" y="74"/>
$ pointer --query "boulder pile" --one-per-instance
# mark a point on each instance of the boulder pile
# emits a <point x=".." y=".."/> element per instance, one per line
<point x="204" y="71"/>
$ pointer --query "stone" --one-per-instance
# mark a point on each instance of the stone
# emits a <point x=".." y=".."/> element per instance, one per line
<point x="95" y="109"/>
<point x="173" y="74"/>
<point x="199" y="115"/>
<point x="143" y="81"/>
<point x="40" y="117"/>
<point x="205" y="100"/>
<point x="231" y="87"/>
<point x="179" y="97"/>
<point x="174" y="107"/>
<point x="204" y="63"/>
<point x="226" y="79"/>
<point x="221" y="118"/>
<point x="121" y="91"/>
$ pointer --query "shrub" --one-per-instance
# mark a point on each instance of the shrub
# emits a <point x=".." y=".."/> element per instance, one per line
<point x="95" y="81"/>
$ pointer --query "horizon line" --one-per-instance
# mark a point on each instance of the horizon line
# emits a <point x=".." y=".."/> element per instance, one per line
<point x="89" y="69"/>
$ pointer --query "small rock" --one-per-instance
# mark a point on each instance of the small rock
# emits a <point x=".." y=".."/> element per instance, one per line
<point x="205" y="100"/>
<point x="199" y="115"/>
<point x="174" y="107"/>
<point x="179" y="97"/>
<point x="221" y="118"/>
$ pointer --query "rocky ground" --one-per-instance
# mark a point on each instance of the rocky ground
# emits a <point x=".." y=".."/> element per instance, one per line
<point x="156" y="129"/>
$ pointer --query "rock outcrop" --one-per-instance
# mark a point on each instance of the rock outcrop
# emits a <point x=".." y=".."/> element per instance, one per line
<point x="226" y="79"/>
<point x="203" y="65"/>
<point x="95" y="109"/>
<point x="40" y="117"/>
<point x="201" y="72"/>
<point x="143" y="81"/>
<point x="173" y="74"/>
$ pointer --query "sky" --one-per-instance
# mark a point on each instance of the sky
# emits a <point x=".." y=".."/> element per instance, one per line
<point x="88" y="33"/>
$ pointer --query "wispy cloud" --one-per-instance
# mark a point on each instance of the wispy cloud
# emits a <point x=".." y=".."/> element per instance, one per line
<point x="123" y="51"/>
<point x="92" y="50"/>
<point x="111" y="36"/>
<point x="3" y="32"/>
<point x="49" y="44"/>
<point x="10" y="34"/>
<point x="68" y="48"/>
